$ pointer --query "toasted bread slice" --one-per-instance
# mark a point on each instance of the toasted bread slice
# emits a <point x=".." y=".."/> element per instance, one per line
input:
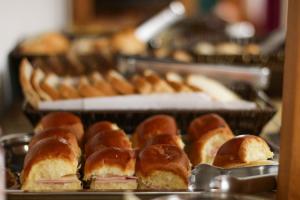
<point x="67" y="88"/>
<point x="119" y="83"/>
<point x="25" y="76"/>
<point x="158" y="85"/>
<point x="50" y="85"/>
<point x="86" y="89"/>
<point x="101" y="84"/>
<point x="141" y="84"/>
<point x="37" y="77"/>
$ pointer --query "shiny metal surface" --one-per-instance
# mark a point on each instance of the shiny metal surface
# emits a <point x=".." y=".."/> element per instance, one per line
<point x="243" y="180"/>
<point x="16" y="147"/>
<point x="256" y="75"/>
<point x="207" y="196"/>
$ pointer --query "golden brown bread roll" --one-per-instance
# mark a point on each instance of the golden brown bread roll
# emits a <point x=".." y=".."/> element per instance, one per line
<point x="47" y="43"/>
<point x="99" y="127"/>
<point x="166" y="139"/>
<point x="206" y="134"/>
<point x="36" y="80"/>
<point x="63" y="120"/>
<point x="243" y="150"/>
<point x="204" y="124"/>
<point x="111" y="168"/>
<point x="110" y="138"/>
<point x="57" y="132"/>
<point x="162" y="167"/>
<point x="125" y="42"/>
<point x="50" y="165"/>
<point x="152" y="126"/>
<point x="67" y="88"/>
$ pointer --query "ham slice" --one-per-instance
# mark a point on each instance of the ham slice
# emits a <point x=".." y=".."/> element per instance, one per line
<point x="62" y="180"/>
<point x="114" y="179"/>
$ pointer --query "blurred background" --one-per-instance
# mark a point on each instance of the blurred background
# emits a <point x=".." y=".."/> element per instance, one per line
<point x="205" y="19"/>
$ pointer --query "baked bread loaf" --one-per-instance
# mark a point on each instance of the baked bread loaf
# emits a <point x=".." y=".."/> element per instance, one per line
<point x="152" y="126"/>
<point x="111" y="169"/>
<point x="162" y="167"/>
<point x="63" y="120"/>
<point x="244" y="150"/>
<point x="110" y="138"/>
<point x="58" y="133"/>
<point x="99" y="127"/>
<point x="50" y="165"/>
<point x="206" y="134"/>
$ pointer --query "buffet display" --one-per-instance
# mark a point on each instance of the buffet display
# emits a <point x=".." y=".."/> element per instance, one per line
<point x="156" y="157"/>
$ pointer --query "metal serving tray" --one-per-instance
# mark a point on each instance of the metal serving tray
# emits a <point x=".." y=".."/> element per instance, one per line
<point x="16" y="147"/>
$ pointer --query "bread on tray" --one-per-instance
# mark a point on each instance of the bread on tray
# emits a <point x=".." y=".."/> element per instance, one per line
<point x="206" y="134"/>
<point x="50" y="165"/>
<point x="162" y="167"/>
<point x="243" y="150"/>
<point x="63" y="120"/>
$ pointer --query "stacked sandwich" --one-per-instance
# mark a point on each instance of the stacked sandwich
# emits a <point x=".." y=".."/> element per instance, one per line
<point x="211" y="141"/>
<point x="161" y="161"/>
<point x="109" y="159"/>
<point x="52" y="161"/>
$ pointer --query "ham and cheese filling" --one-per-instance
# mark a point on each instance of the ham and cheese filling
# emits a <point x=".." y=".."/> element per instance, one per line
<point x="63" y="180"/>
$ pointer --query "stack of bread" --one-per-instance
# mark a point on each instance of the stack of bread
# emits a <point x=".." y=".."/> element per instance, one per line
<point x="109" y="158"/>
<point x="161" y="161"/>
<point x="206" y="134"/>
<point x="52" y="161"/>
<point x="40" y="84"/>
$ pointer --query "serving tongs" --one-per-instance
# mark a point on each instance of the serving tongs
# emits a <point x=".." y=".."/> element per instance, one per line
<point x="254" y="179"/>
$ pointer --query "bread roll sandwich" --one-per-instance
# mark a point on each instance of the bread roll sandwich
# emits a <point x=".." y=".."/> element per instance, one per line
<point x="206" y="134"/>
<point x="50" y="165"/>
<point x="99" y="127"/>
<point x="244" y="150"/>
<point x="155" y="125"/>
<point x="63" y="120"/>
<point x="162" y="167"/>
<point x="111" y="138"/>
<point x="58" y="133"/>
<point x="111" y="169"/>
